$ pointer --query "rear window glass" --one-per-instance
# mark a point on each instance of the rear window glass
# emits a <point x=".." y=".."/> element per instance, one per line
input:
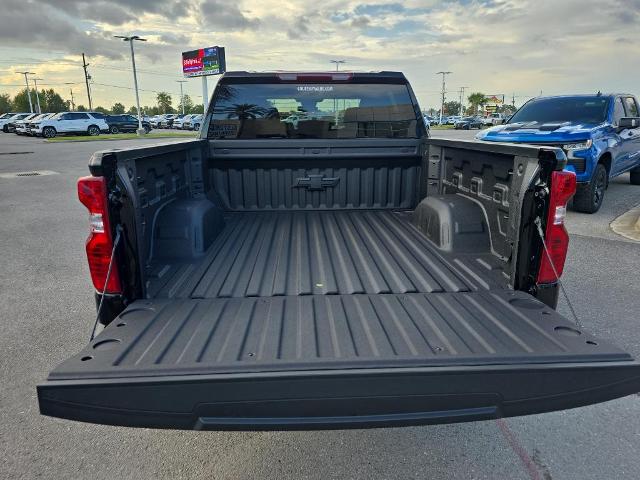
<point x="262" y="111"/>
<point x="563" y="109"/>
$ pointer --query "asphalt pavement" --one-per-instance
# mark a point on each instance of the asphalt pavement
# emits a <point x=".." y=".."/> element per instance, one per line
<point x="46" y="312"/>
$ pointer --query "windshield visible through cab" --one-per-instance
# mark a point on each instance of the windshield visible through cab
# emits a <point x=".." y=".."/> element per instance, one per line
<point x="563" y="109"/>
<point x="319" y="111"/>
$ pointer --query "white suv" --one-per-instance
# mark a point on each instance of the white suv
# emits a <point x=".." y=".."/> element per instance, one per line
<point x="90" y="123"/>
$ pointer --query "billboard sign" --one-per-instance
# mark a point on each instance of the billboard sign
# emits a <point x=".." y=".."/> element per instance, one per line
<point x="205" y="61"/>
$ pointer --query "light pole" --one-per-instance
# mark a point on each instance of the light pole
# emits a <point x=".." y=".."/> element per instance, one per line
<point x="462" y="89"/>
<point x="73" y="103"/>
<point x="181" y="95"/>
<point x="131" y="39"/>
<point x="444" y="90"/>
<point x="337" y="62"/>
<point x="35" y="83"/>
<point x="26" y="81"/>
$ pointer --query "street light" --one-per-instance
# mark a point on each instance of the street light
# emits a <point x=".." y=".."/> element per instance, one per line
<point x="181" y="95"/>
<point x="26" y="81"/>
<point x="35" y="83"/>
<point x="131" y="39"/>
<point x="337" y="62"/>
<point x="444" y="74"/>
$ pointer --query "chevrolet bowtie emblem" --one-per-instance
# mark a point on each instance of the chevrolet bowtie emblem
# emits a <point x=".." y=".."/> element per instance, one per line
<point x="315" y="182"/>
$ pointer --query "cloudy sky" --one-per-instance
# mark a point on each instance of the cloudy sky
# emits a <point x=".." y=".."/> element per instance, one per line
<point x="516" y="47"/>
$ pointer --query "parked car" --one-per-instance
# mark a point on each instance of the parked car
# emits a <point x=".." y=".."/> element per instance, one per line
<point x="468" y="123"/>
<point x="10" y="125"/>
<point x="167" y="120"/>
<point x="89" y="123"/>
<point x="599" y="133"/>
<point x="178" y="123"/>
<point x="494" y="119"/>
<point x="194" y="122"/>
<point x="11" y="117"/>
<point x="20" y="126"/>
<point x="32" y="124"/>
<point x="125" y="123"/>
<point x="255" y="285"/>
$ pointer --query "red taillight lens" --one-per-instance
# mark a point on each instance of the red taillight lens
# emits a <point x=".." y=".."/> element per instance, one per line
<point x="563" y="186"/>
<point x="92" y="192"/>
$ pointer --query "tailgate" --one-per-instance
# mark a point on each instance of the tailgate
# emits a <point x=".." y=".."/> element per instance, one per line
<point x="335" y="361"/>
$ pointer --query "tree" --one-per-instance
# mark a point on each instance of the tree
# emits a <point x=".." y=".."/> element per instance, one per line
<point x="188" y="104"/>
<point x="452" y="107"/>
<point x="507" y="109"/>
<point x="101" y="110"/>
<point x="5" y="103"/>
<point x="117" y="109"/>
<point x="197" y="109"/>
<point x="164" y="102"/>
<point x="476" y="100"/>
<point x="21" y="101"/>
<point x="81" y="108"/>
<point x="52" y="102"/>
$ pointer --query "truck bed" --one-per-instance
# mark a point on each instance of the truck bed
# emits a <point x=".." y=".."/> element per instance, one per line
<point x="280" y="291"/>
<point x="271" y="253"/>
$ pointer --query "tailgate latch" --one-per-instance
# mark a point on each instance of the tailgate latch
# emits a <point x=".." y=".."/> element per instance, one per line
<point x="315" y="182"/>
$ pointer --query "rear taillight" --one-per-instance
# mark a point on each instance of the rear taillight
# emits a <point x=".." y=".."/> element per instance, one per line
<point x="563" y="186"/>
<point x="92" y="192"/>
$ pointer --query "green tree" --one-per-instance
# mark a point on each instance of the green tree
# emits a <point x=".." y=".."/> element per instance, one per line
<point x="164" y="102"/>
<point x="81" y="108"/>
<point x="117" y="109"/>
<point x="197" y="108"/>
<point x="452" y="107"/>
<point x="5" y="103"/>
<point x="52" y="102"/>
<point x="476" y="101"/>
<point x="188" y="104"/>
<point x="21" y="101"/>
<point x="101" y="110"/>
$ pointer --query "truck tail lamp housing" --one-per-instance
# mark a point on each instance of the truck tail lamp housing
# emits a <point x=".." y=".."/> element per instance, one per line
<point x="92" y="192"/>
<point x="563" y="187"/>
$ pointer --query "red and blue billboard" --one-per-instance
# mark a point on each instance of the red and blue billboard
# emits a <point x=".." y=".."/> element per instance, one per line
<point x="205" y="61"/>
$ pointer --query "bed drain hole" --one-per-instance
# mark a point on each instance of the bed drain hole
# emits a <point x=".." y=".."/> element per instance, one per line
<point x="84" y="359"/>
<point x="546" y="313"/>
<point x="568" y="331"/>
<point x="121" y="324"/>
<point x="591" y="342"/>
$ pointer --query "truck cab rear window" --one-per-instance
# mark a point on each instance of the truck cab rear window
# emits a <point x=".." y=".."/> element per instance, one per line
<point x="315" y="111"/>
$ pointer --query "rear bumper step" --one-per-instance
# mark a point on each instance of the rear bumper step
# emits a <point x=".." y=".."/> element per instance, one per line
<point x="360" y="398"/>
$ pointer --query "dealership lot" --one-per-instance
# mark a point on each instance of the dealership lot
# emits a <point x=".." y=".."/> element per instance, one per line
<point x="47" y="309"/>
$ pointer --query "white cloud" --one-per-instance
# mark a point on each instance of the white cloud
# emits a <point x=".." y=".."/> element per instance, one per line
<point x="496" y="46"/>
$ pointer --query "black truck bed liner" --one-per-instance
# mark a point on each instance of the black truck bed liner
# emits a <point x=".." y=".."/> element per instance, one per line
<point x="277" y="253"/>
<point x="334" y="361"/>
<point x="176" y="337"/>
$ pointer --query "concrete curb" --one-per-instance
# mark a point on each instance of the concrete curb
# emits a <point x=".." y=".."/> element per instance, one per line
<point x="628" y="224"/>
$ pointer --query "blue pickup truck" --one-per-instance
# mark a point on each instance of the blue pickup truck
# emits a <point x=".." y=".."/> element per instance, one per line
<point x="600" y="134"/>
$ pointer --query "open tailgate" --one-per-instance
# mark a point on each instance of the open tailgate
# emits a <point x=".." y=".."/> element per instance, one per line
<point x="335" y="361"/>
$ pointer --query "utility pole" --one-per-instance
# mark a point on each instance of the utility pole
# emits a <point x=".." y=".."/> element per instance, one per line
<point x="181" y="95"/>
<point x="444" y="91"/>
<point x="73" y="103"/>
<point x="337" y="62"/>
<point x="26" y="81"/>
<point x="131" y="39"/>
<point x="86" y="80"/>
<point x="462" y="89"/>
<point x="35" y="83"/>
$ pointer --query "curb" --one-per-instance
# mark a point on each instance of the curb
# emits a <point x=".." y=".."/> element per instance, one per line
<point x="628" y="224"/>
